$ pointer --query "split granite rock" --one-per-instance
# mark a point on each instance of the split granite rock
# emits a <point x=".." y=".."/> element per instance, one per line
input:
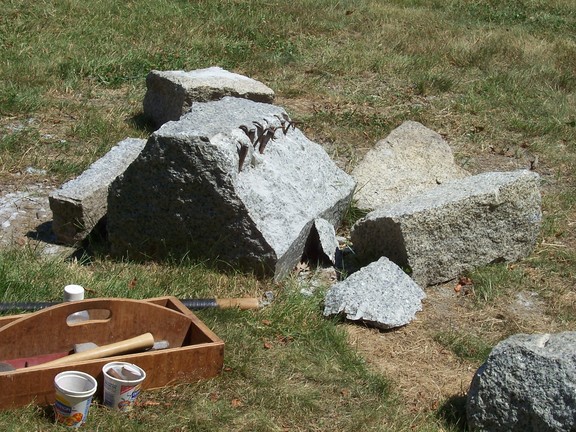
<point x="440" y="233"/>
<point x="171" y="93"/>
<point x="527" y="384"/>
<point x="411" y="159"/>
<point x="82" y="202"/>
<point x="322" y="244"/>
<point x="380" y="294"/>
<point x="232" y="180"/>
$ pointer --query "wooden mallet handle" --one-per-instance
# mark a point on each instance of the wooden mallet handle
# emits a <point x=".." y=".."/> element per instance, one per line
<point x="137" y="343"/>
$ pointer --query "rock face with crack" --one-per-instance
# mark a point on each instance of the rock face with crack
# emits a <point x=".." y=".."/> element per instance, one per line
<point x="232" y="180"/>
<point x="440" y="233"/>
<point x="380" y="294"/>
<point x="527" y="384"/>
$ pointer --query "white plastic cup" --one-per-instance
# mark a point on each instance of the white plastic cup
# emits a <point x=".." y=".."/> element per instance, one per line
<point x="74" y="391"/>
<point x="120" y="394"/>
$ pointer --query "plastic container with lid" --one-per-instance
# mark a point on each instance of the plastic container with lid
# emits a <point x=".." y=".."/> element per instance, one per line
<point x="74" y="293"/>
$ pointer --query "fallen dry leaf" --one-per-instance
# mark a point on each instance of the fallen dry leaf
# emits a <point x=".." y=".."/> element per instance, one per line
<point x="345" y="392"/>
<point x="302" y="267"/>
<point x="284" y="339"/>
<point x="458" y="288"/>
<point x="148" y="403"/>
<point x="266" y="322"/>
<point x="236" y="403"/>
<point x="267" y="344"/>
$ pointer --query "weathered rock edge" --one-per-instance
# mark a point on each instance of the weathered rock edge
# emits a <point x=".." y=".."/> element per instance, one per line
<point x="527" y="384"/>
<point x="443" y="232"/>
<point x="380" y="294"/>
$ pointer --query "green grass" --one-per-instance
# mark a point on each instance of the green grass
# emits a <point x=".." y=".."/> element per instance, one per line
<point x="483" y="73"/>
<point x="285" y="366"/>
<point x="465" y="346"/>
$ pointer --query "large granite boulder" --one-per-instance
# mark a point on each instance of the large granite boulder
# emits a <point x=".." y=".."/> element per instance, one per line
<point x="380" y="294"/>
<point x="411" y="159"/>
<point x="527" y="384"/>
<point x="233" y="180"/>
<point x="79" y="204"/>
<point x="171" y="93"/>
<point x="440" y="233"/>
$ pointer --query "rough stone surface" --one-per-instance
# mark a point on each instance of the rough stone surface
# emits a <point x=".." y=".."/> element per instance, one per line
<point x="528" y="384"/>
<point x="380" y="294"/>
<point x="171" y="93"/>
<point x="186" y="194"/>
<point x="440" y="233"/>
<point x="81" y="202"/>
<point x="411" y="159"/>
<point x="23" y="211"/>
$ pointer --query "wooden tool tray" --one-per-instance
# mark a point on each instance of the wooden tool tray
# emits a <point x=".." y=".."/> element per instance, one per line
<point x="194" y="352"/>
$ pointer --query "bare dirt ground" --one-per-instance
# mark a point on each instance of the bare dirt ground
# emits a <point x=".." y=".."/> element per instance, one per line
<point x="424" y="372"/>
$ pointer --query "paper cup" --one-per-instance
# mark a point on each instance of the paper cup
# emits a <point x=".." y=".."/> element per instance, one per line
<point x="74" y="391"/>
<point x="122" y="383"/>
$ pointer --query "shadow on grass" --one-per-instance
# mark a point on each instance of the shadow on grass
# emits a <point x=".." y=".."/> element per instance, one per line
<point x="142" y="122"/>
<point x="453" y="413"/>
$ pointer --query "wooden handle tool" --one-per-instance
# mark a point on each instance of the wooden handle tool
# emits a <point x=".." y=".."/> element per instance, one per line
<point x="137" y="343"/>
<point x="240" y="303"/>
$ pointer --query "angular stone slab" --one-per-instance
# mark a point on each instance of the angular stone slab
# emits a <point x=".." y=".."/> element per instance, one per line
<point x="411" y="159"/>
<point x="380" y="294"/>
<point x="440" y="233"/>
<point x="189" y="194"/>
<point x="81" y="202"/>
<point x="527" y="384"/>
<point x="171" y="93"/>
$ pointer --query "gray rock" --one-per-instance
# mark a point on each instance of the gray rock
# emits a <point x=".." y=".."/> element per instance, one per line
<point x="411" y="159"/>
<point x="171" y="93"/>
<point x="81" y="202"/>
<point x="188" y="194"/>
<point x="440" y="233"/>
<point x="380" y="294"/>
<point x="527" y="384"/>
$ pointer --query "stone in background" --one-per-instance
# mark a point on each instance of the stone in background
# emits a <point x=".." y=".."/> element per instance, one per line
<point x="440" y="233"/>
<point x="171" y="93"/>
<point x="411" y="159"/>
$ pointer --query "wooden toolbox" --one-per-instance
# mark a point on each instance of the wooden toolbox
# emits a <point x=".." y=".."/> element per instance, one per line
<point x="194" y="352"/>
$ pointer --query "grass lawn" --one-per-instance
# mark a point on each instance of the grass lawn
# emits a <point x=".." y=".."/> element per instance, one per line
<point x="496" y="78"/>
